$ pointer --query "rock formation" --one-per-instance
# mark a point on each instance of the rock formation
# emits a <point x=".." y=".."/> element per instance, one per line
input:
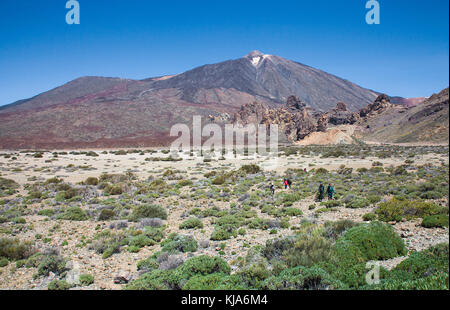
<point x="381" y="104"/>
<point x="293" y="119"/>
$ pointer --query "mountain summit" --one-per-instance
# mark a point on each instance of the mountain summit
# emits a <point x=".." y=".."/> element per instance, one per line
<point x="269" y="79"/>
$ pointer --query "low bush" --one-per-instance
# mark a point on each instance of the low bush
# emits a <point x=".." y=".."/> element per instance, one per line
<point x="147" y="265"/>
<point x="59" y="285"/>
<point x="113" y="189"/>
<point x="396" y="209"/>
<point x="179" y="243"/>
<point x="46" y="212"/>
<point x="372" y="241"/>
<point x="91" y="181"/>
<point x="191" y="223"/>
<point x="369" y="217"/>
<point x="439" y="220"/>
<point x="308" y="251"/>
<point x="221" y="233"/>
<point x="424" y="270"/>
<point x="334" y="230"/>
<point x="292" y="212"/>
<point x="14" y="249"/>
<point x="3" y="262"/>
<point x="148" y="211"/>
<point x="86" y="279"/>
<point x="250" y="169"/>
<point x="51" y="263"/>
<point x="107" y="243"/>
<point x="303" y="278"/>
<point x="73" y="214"/>
<point x="106" y="214"/>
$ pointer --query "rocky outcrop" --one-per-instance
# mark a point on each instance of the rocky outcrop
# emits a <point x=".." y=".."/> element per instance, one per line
<point x="254" y="113"/>
<point x="340" y="115"/>
<point x="381" y="104"/>
<point x="293" y="119"/>
<point x="435" y="104"/>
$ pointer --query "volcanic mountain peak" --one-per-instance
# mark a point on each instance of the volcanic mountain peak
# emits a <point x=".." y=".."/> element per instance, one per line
<point x="256" y="57"/>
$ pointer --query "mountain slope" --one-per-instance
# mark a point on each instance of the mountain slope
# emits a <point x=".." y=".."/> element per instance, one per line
<point x="426" y="122"/>
<point x="271" y="78"/>
<point x="113" y="112"/>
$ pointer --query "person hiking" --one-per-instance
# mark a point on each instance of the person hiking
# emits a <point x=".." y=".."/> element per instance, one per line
<point x="321" y="191"/>
<point x="285" y="182"/>
<point x="272" y="189"/>
<point x="289" y="182"/>
<point x="330" y="191"/>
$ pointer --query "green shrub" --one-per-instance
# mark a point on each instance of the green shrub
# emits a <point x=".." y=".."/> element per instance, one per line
<point x="333" y="230"/>
<point x="46" y="212"/>
<point x="54" y="180"/>
<point x="220" y="234"/>
<point x="374" y="199"/>
<point x="195" y="268"/>
<point x="250" y="169"/>
<point x="424" y="270"/>
<point x="208" y="282"/>
<point x="219" y="180"/>
<point x="155" y="280"/>
<point x="86" y="279"/>
<point x="303" y="278"/>
<point x="91" y="181"/>
<point x="113" y="189"/>
<point x="106" y="214"/>
<point x="3" y="262"/>
<point x="439" y="220"/>
<point x="148" y="264"/>
<point x="7" y="186"/>
<point x="369" y="217"/>
<point x="179" y="243"/>
<point x="308" y="251"/>
<point x="358" y="203"/>
<point x="73" y="214"/>
<point x="203" y="265"/>
<point x="372" y="241"/>
<point x="258" y="223"/>
<point x="58" y="285"/>
<point x="191" y="223"/>
<point x="396" y="209"/>
<point x="51" y="263"/>
<point x="331" y="203"/>
<point x="274" y="249"/>
<point x="292" y="212"/>
<point x="148" y="211"/>
<point x="107" y="243"/>
<point x="140" y="241"/>
<point x="183" y="183"/>
<point x="254" y="272"/>
<point x="14" y="249"/>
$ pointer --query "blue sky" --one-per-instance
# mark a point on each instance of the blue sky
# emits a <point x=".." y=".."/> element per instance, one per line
<point x="406" y="55"/>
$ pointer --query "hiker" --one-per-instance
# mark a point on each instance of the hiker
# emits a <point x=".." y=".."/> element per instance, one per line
<point x="285" y="182"/>
<point x="272" y="189"/>
<point x="330" y="191"/>
<point x="321" y="191"/>
<point x="289" y="182"/>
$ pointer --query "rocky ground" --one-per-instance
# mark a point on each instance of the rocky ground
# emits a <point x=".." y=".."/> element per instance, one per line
<point x="107" y="272"/>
